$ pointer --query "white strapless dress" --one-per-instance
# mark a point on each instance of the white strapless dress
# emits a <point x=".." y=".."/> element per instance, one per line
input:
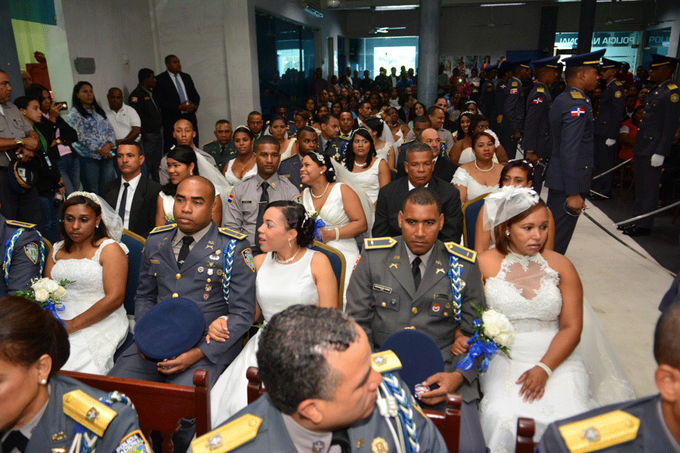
<point x="277" y="286"/>
<point x="232" y="178"/>
<point x="92" y="348"/>
<point x="474" y="189"/>
<point x="369" y="180"/>
<point x="384" y="152"/>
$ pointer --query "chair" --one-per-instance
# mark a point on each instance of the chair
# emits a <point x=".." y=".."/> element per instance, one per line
<point x="526" y="428"/>
<point x="160" y="407"/>
<point x="135" y="243"/>
<point x="338" y="264"/>
<point x="448" y="422"/>
<point x="470" y="212"/>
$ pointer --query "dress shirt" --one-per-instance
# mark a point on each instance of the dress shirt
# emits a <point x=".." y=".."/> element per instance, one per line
<point x="123" y="121"/>
<point x="177" y="240"/>
<point x="411" y="187"/>
<point x="177" y="79"/>
<point x="425" y="257"/>
<point x="305" y="440"/>
<point x="12" y="125"/>
<point x="134" y="182"/>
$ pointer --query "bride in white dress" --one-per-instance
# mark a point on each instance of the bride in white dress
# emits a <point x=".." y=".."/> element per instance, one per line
<point x="97" y="265"/>
<point x="278" y="129"/>
<point x="480" y="176"/>
<point x="287" y="274"/>
<point x="540" y="292"/>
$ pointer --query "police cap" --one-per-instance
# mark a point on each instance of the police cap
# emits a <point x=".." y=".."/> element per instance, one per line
<point x="586" y="59"/>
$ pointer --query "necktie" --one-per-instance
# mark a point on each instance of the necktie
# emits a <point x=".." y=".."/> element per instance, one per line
<point x="223" y="149"/>
<point x="327" y="150"/>
<point x="182" y="96"/>
<point x="14" y="440"/>
<point x="415" y="270"/>
<point x="184" y="251"/>
<point x="123" y="202"/>
<point x="264" y="201"/>
<point x="341" y="438"/>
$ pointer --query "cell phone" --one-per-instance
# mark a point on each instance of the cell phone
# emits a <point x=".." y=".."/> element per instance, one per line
<point x="64" y="105"/>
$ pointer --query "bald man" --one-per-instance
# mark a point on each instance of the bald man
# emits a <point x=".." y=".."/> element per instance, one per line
<point x="184" y="134"/>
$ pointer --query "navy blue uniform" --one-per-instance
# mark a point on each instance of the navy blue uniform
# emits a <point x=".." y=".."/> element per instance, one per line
<point x="25" y="260"/>
<point x="290" y="168"/>
<point x="496" y="119"/>
<point x="537" y="129"/>
<point x="607" y="125"/>
<point x="513" y="115"/>
<point x="485" y="103"/>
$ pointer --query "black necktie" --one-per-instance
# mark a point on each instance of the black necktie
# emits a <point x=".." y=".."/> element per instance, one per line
<point x="341" y="438"/>
<point x="264" y="201"/>
<point x="327" y="150"/>
<point x="415" y="270"/>
<point x="223" y="149"/>
<point x="14" y="440"/>
<point x="123" y="201"/>
<point x="184" y="251"/>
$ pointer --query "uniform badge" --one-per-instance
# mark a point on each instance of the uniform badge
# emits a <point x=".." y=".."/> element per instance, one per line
<point x="31" y="250"/>
<point x="230" y="200"/>
<point x="214" y="257"/>
<point x="357" y="262"/>
<point x="201" y="269"/>
<point x="394" y="265"/>
<point x="578" y="111"/>
<point x="134" y="443"/>
<point x="537" y="101"/>
<point x="435" y="308"/>
<point x="248" y="258"/>
<point x="513" y="90"/>
<point x="675" y="97"/>
<point x="503" y="86"/>
<point x="379" y="445"/>
<point x="58" y="436"/>
<point x="318" y="447"/>
<point x="91" y="415"/>
<point x="215" y="441"/>
<point x="210" y="271"/>
<point x="133" y="99"/>
<point x="379" y="360"/>
<point x="591" y="434"/>
<point x="618" y="94"/>
<point x="441" y="269"/>
<point x="206" y="296"/>
<point x="208" y="288"/>
<point x="219" y="272"/>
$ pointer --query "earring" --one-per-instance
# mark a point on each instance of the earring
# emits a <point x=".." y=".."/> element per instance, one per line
<point x="43" y="382"/>
<point x="289" y="244"/>
<point x="507" y="233"/>
<point x="321" y="173"/>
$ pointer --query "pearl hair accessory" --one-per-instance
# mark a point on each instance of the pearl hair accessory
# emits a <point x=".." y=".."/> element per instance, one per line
<point x="88" y="195"/>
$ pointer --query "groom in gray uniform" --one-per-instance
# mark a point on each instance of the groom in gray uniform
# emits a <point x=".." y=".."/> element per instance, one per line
<point x="403" y="283"/>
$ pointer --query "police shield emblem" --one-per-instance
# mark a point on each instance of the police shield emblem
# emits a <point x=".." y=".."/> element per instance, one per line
<point x="31" y="251"/>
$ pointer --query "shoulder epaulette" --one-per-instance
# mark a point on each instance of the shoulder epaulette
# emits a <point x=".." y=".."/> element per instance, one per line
<point x="672" y="86"/>
<point x="618" y="83"/>
<point x="603" y="431"/>
<point x="385" y="361"/>
<point x="232" y="233"/>
<point x="92" y="414"/>
<point x="461" y="252"/>
<point x="408" y="141"/>
<point x="209" y="143"/>
<point x="16" y="223"/>
<point x="164" y="228"/>
<point x="379" y="243"/>
<point x="230" y="436"/>
<point x="289" y="157"/>
<point x="576" y="95"/>
<point x="514" y="84"/>
<point x="540" y="90"/>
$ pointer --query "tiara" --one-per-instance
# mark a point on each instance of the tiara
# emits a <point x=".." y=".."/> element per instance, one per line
<point x="88" y="195"/>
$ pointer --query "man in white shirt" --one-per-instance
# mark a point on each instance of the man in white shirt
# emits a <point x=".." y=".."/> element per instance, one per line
<point x="184" y="133"/>
<point x="124" y="119"/>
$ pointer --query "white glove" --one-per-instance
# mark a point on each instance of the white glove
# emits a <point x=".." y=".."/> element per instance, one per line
<point x="610" y="142"/>
<point x="657" y="160"/>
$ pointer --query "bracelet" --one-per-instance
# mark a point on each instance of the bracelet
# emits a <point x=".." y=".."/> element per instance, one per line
<point x="546" y="368"/>
<point x="337" y="234"/>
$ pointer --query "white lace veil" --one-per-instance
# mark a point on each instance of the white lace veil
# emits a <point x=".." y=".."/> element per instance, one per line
<point x="506" y="203"/>
<point x="113" y="222"/>
<point x="210" y="172"/>
<point x="347" y="177"/>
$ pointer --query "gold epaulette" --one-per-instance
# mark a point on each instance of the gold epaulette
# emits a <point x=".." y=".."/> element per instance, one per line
<point x="461" y="252"/>
<point x="230" y="436"/>
<point x="164" y="228"/>
<point x="379" y="243"/>
<point x="514" y="84"/>
<point x="232" y="233"/>
<point x="576" y="95"/>
<point x="617" y="83"/>
<point x="603" y="431"/>
<point x="408" y="141"/>
<point x="672" y="86"/>
<point x="289" y="157"/>
<point x="92" y="414"/>
<point x="206" y="144"/>
<point x="540" y="90"/>
<point x="16" y="223"/>
<point x="385" y="361"/>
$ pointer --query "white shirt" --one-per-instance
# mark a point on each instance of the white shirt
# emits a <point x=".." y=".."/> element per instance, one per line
<point x="134" y="182"/>
<point x="123" y="121"/>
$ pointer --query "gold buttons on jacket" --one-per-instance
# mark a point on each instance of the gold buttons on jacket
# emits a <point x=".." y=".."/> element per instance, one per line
<point x="384" y="304"/>
<point x="178" y="276"/>
<point x="414" y="310"/>
<point x="175" y="295"/>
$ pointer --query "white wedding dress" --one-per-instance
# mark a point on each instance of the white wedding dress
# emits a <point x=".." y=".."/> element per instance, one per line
<point x="474" y="189"/>
<point x="277" y="286"/>
<point x="92" y="348"/>
<point x="526" y="291"/>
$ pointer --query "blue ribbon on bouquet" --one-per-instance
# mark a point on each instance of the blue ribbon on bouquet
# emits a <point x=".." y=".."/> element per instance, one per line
<point x="318" y="224"/>
<point x="477" y="348"/>
<point x="50" y="306"/>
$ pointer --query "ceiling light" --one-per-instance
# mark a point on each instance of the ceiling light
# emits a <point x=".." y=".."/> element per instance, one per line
<point x="502" y="4"/>
<point x="333" y="3"/>
<point x="396" y="8"/>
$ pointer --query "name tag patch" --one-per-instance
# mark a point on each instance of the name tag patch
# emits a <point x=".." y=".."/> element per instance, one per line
<point x="382" y="288"/>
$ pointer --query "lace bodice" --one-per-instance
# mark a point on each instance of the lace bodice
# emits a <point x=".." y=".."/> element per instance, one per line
<point x="526" y="291"/>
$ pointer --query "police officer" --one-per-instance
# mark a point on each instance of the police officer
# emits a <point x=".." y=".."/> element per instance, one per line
<point x="485" y="103"/>
<point x="326" y="398"/>
<point x="607" y="124"/>
<point x="330" y="144"/>
<point x="654" y="139"/>
<point x="570" y="168"/>
<point x="211" y="266"/>
<point x="647" y="424"/>
<point x="536" y="140"/>
<point x="141" y="99"/>
<point x="514" y="108"/>
<point x="501" y="82"/>
<point x="221" y="149"/>
<point x="247" y="202"/>
<point x="27" y="259"/>
<point x="45" y="409"/>
<point x="307" y="141"/>
<point x="405" y="283"/>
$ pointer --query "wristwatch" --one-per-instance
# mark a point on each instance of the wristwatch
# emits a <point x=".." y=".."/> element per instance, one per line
<point x="19" y="141"/>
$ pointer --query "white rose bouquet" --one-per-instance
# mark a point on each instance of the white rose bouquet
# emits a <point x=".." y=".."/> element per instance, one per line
<point x="318" y="224"/>
<point x="493" y="332"/>
<point x="47" y="293"/>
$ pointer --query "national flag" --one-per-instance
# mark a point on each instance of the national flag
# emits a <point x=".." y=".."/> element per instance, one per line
<point x="503" y="86"/>
<point x="578" y="111"/>
<point x="537" y="101"/>
<point x="513" y="90"/>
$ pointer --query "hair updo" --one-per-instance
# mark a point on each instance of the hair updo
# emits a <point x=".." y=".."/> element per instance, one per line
<point x="518" y="163"/>
<point x="321" y="160"/>
<point x="296" y="219"/>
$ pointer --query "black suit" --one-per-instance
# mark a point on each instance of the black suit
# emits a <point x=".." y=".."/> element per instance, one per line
<point x="167" y="99"/>
<point x="143" y="209"/>
<point x="391" y="198"/>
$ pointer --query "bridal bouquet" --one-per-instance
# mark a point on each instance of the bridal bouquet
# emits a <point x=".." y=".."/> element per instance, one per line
<point x="493" y="332"/>
<point x="47" y="293"/>
<point x="318" y="224"/>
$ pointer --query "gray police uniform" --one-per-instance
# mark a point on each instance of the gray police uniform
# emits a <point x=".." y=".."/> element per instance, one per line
<point x="382" y="299"/>
<point x="290" y="168"/>
<point x="607" y="125"/>
<point x="244" y="201"/>
<point x="652" y="435"/>
<point x="655" y="136"/>
<point x="55" y="431"/>
<point x="222" y="155"/>
<point x="537" y="129"/>
<point x="513" y="116"/>
<point x="25" y="259"/>
<point x="571" y="162"/>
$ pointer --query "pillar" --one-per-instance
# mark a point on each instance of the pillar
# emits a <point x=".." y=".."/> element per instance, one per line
<point x="586" y="26"/>
<point x="428" y="50"/>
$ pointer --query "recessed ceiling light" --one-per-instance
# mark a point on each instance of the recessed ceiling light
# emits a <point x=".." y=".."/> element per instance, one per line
<point x="483" y="5"/>
<point x="396" y="8"/>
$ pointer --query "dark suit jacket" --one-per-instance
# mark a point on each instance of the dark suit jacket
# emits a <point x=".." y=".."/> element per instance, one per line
<point x="391" y="198"/>
<point x="443" y="169"/>
<point x="167" y="99"/>
<point x="143" y="210"/>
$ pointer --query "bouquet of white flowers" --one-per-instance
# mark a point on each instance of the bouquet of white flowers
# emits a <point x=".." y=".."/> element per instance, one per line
<point x="493" y="332"/>
<point x="318" y="224"/>
<point x="47" y="293"/>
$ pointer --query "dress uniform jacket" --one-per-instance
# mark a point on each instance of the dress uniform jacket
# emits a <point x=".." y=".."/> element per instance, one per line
<point x="368" y="435"/>
<point x="382" y="299"/>
<point x="652" y="435"/>
<point x="610" y="111"/>
<point x="336" y="149"/>
<point x="55" y="430"/>
<point x="659" y="121"/>
<point x="537" y="123"/>
<point x="290" y="168"/>
<point x="485" y="103"/>
<point x="141" y="100"/>
<point x="25" y="263"/>
<point x="498" y="103"/>
<point x="221" y="159"/>
<point x="513" y="108"/>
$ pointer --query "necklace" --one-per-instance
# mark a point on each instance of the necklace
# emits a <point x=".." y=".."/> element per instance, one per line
<point x="360" y="165"/>
<point x="324" y="191"/>
<point x="485" y="171"/>
<point x="276" y="257"/>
